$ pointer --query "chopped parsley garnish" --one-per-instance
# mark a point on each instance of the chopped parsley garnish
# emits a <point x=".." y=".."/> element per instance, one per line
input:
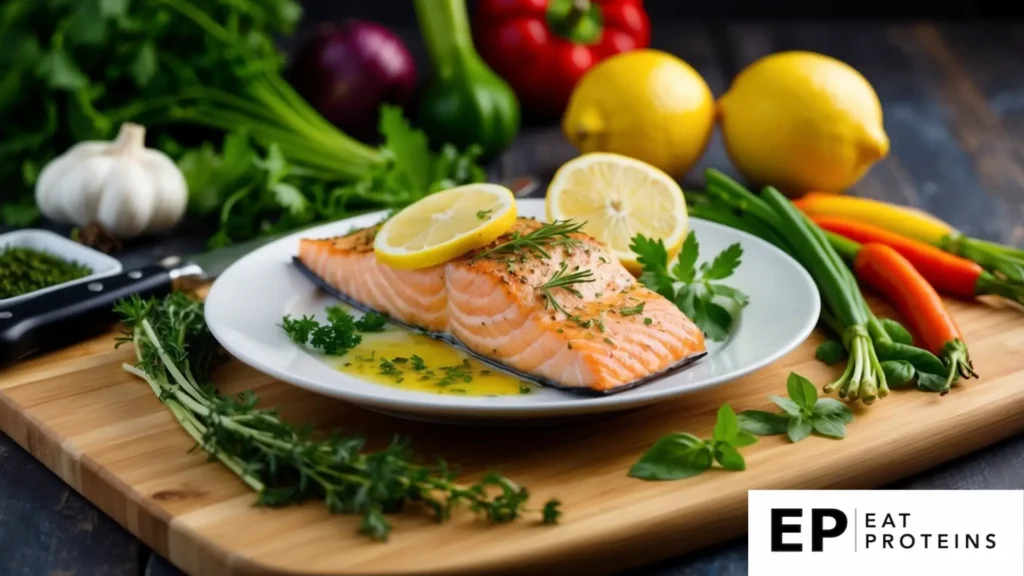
<point x="632" y="310"/>
<point x="483" y="214"/>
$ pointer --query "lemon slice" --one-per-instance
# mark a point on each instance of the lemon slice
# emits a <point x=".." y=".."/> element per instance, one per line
<point x="619" y="197"/>
<point x="445" y="225"/>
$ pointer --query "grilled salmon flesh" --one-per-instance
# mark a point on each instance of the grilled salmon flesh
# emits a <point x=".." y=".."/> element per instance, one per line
<point x="521" y="308"/>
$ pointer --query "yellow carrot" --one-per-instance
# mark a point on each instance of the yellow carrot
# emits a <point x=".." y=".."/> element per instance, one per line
<point x="1005" y="262"/>
<point x="903" y="220"/>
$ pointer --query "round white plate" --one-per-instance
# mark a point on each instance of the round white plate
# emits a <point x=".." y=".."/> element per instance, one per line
<point x="245" y="306"/>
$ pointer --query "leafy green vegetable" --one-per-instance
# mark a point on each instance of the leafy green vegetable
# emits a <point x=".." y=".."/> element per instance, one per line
<point x="191" y="71"/>
<point x="802" y="413"/>
<point x="693" y="289"/>
<point x="284" y="463"/>
<point x="830" y="352"/>
<point x="681" y="455"/>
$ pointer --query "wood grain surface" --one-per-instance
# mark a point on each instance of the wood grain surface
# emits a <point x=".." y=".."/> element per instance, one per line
<point x="953" y="99"/>
<point x="102" y="431"/>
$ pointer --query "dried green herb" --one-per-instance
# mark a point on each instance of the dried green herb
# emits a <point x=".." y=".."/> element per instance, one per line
<point x="24" y="270"/>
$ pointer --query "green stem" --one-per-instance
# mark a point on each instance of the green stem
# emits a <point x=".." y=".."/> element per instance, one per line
<point x="846" y="248"/>
<point x="445" y="28"/>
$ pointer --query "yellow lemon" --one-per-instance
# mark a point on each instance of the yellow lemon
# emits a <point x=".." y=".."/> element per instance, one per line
<point x="802" y="121"/>
<point x="619" y="197"/>
<point x="645" y="104"/>
<point x="445" y="225"/>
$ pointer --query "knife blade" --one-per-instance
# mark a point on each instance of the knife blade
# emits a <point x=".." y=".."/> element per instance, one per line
<point x="63" y="317"/>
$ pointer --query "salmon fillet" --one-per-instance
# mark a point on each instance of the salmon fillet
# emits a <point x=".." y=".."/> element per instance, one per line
<point x="601" y="335"/>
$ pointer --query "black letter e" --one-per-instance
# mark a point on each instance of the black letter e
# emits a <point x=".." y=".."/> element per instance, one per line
<point x="779" y="528"/>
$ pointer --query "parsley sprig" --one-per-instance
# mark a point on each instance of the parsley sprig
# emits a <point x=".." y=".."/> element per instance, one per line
<point x="694" y="290"/>
<point x="682" y="455"/>
<point x="339" y="335"/>
<point x="557" y="233"/>
<point x="285" y="463"/>
<point x="802" y="413"/>
<point x="566" y="282"/>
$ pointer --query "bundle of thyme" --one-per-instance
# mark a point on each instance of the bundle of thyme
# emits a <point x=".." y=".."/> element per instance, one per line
<point x="284" y="463"/>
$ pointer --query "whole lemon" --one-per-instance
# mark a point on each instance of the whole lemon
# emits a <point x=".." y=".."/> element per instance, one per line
<point x="645" y="104"/>
<point x="802" y="121"/>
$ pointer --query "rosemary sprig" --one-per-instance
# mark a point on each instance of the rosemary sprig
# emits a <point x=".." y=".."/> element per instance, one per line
<point x="566" y="282"/>
<point x="556" y="233"/>
<point x="284" y="463"/>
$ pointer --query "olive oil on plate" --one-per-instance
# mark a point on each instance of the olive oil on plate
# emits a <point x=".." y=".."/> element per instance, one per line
<point x="410" y="361"/>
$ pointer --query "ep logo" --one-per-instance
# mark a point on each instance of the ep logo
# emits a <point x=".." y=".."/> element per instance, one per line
<point x="822" y="523"/>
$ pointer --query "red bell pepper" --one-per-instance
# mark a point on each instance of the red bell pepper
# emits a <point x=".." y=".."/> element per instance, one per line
<point x="543" y="47"/>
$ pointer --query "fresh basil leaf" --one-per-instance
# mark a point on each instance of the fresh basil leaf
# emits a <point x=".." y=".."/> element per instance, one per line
<point x="685" y="267"/>
<point x="801" y="391"/>
<point x="726" y="425"/>
<point x="897" y="372"/>
<point x="896" y="331"/>
<point x="798" y="429"/>
<point x="790" y="407"/>
<point x="741" y="439"/>
<point x="763" y="423"/>
<point x="725" y="263"/>
<point x="830" y="352"/>
<point x="930" y="382"/>
<point x="833" y="408"/>
<point x="715" y="321"/>
<point x="830" y="426"/>
<point x="729" y="457"/>
<point x="673" y="457"/>
<point x="730" y="293"/>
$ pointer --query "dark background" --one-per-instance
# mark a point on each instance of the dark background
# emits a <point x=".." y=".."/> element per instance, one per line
<point x="400" y="12"/>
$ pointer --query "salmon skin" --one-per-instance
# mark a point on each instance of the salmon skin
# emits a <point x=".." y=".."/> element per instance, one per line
<point x="602" y="336"/>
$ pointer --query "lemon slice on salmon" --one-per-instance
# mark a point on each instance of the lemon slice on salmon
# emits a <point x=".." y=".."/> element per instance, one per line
<point x="445" y="225"/>
<point x="619" y="197"/>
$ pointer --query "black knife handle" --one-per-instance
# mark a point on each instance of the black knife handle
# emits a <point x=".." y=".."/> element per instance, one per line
<point x="72" y="314"/>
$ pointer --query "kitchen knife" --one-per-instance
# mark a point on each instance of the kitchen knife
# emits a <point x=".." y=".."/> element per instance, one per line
<point x="68" y="315"/>
<point x="63" y="317"/>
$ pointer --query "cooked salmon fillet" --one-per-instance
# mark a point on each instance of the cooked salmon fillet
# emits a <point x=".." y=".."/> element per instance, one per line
<point x="601" y="335"/>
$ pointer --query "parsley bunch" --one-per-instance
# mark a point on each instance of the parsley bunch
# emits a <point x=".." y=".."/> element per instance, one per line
<point x="285" y="463"/>
<point x="694" y="290"/>
<point x="195" y="72"/>
<point x="802" y="413"/>
<point x="681" y="455"/>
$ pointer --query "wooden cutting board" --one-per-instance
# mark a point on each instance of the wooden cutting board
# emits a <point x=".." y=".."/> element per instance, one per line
<point x="104" y="433"/>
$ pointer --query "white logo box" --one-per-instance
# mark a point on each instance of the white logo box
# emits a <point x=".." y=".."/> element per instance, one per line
<point x="886" y="532"/>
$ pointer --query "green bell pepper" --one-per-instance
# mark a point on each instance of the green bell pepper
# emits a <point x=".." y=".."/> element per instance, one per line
<point x="465" y="102"/>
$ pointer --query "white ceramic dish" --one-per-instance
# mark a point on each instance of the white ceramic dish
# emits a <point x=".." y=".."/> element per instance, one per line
<point x="246" y="303"/>
<point x="101" y="264"/>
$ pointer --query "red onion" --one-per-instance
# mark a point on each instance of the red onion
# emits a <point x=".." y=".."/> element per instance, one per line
<point x="346" y="72"/>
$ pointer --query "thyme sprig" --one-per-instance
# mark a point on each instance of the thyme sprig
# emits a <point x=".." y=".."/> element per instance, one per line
<point x="566" y="282"/>
<point x="284" y="463"/>
<point x="557" y="233"/>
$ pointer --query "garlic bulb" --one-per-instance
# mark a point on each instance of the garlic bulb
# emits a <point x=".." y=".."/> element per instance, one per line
<point x="123" y="186"/>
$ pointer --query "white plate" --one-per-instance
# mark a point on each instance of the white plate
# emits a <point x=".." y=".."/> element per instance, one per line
<point x="66" y="248"/>
<point x="245" y="306"/>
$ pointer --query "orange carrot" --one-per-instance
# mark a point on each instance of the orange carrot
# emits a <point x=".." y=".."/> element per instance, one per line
<point x="948" y="273"/>
<point x="885" y="270"/>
